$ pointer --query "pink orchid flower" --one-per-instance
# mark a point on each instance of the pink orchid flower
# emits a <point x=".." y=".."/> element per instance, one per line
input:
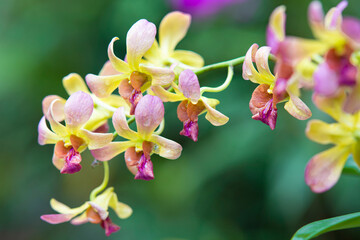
<point x="282" y="87"/>
<point x="73" y="138"/>
<point x="324" y="169"/>
<point x="192" y="104"/>
<point x="141" y="144"/>
<point x="133" y="76"/>
<point x="95" y="212"/>
<point x="172" y="30"/>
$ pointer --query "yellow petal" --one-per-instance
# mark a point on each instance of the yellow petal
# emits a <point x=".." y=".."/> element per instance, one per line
<point x="277" y="22"/>
<point x="189" y="58"/>
<point x="167" y="96"/>
<point x="297" y="108"/>
<point x="173" y="29"/>
<point x="121" y="209"/>
<point x="62" y="208"/>
<point x="74" y="83"/>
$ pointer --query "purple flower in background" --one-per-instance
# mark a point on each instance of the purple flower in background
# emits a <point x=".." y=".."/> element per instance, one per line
<point x="202" y="8"/>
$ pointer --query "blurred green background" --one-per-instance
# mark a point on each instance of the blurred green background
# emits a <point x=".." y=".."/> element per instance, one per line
<point x="240" y="181"/>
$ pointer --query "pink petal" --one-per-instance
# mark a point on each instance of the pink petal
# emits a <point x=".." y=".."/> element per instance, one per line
<point x="108" y="70"/>
<point x="326" y="80"/>
<point x="336" y="16"/>
<point x="275" y="32"/>
<point x="145" y="169"/>
<point x="111" y="150"/>
<point x="190" y="129"/>
<point x="78" y="109"/>
<point x="166" y="148"/>
<point x="118" y="64"/>
<point x="121" y="126"/>
<point x="80" y="219"/>
<point x="148" y="114"/>
<point x="96" y="140"/>
<point x="324" y="169"/>
<point x="109" y="227"/>
<point x="139" y="39"/>
<point x="352" y="102"/>
<point x="56" y="218"/>
<point x="351" y="27"/>
<point x="72" y="162"/>
<point x="189" y="85"/>
<point x="103" y="86"/>
<point x="58" y="111"/>
<point x="45" y="135"/>
<point x="315" y="12"/>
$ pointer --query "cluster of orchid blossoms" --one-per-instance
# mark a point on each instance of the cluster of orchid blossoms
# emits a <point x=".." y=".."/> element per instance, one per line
<point x="153" y="73"/>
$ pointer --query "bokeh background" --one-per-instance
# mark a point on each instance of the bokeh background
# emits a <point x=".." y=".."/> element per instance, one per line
<point x="240" y="181"/>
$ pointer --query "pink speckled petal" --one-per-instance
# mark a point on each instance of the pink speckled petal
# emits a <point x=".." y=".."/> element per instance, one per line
<point x="139" y="40"/>
<point x="78" y="109"/>
<point x="173" y="29"/>
<point x="159" y="76"/>
<point x="111" y="150"/>
<point x="118" y="64"/>
<point x="148" y="115"/>
<point x="45" y="135"/>
<point x="324" y="169"/>
<point x="121" y="126"/>
<point x="189" y="85"/>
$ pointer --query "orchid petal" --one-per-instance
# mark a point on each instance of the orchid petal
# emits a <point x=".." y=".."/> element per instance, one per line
<point x="165" y="95"/>
<point x="58" y="109"/>
<point x="78" y="109"/>
<point x="326" y="80"/>
<point x="109" y="227"/>
<point x="173" y="29"/>
<point x="45" y="135"/>
<point x="154" y="54"/>
<point x="139" y="40"/>
<point x="111" y="150"/>
<point x="56" y="218"/>
<point x="131" y="159"/>
<point x="188" y="58"/>
<point x="215" y="117"/>
<point x="118" y="64"/>
<point x="352" y="102"/>
<point x="103" y="213"/>
<point x="276" y="29"/>
<point x="159" y="76"/>
<point x="315" y="13"/>
<point x="356" y="152"/>
<point x="121" y="126"/>
<point x="121" y="209"/>
<point x="166" y="148"/>
<point x="74" y="83"/>
<point x="325" y="133"/>
<point x="95" y="140"/>
<point x="103" y="86"/>
<point x="262" y="62"/>
<point x="297" y="108"/>
<point x="148" y="115"/>
<point x="57" y="161"/>
<point x="58" y="128"/>
<point x="83" y="218"/>
<point x="108" y="69"/>
<point x="351" y="27"/>
<point x="62" y="208"/>
<point x="189" y="85"/>
<point x="333" y="18"/>
<point x="324" y="169"/>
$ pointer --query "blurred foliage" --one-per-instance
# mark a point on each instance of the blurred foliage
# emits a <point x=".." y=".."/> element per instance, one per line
<point x="240" y="181"/>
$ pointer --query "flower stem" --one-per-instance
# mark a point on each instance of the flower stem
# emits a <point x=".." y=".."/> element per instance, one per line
<point x="223" y="86"/>
<point x="232" y="62"/>
<point x="104" y="183"/>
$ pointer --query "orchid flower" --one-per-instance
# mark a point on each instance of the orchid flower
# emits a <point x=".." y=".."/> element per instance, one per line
<point x="73" y="138"/>
<point x="141" y="144"/>
<point x="133" y="76"/>
<point x="272" y="89"/>
<point x="324" y="169"/>
<point x="192" y="104"/>
<point x="172" y="30"/>
<point x="103" y="108"/>
<point x="342" y="38"/>
<point x="95" y="211"/>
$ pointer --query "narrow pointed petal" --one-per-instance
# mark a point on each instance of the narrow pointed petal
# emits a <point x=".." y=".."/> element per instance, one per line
<point x="276" y="29"/>
<point x="95" y="140"/>
<point x="58" y="110"/>
<point x="80" y="219"/>
<point x="62" y="208"/>
<point x="56" y="127"/>
<point x="118" y="64"/>
<point x="45" y="135"/>
<point x="122" y="210"/>
<point x="148" y="115"/>
<point x="121" y="126"/>
<point x="262" y="62"/>
<point x="78" y="109"/>
<point x="188" y="58"/>
<point x="111" y="150"/>
<point x="56" y="218"/>
<point x="297" y="108"/>
<point x="333" y="18"/>
<point x="173" y="29"/>
<point x="215" y="117"/>
<point x="159" y="76"/>
<point x="325" y="133"/>
<point x="324" y="169"/>
<point x="139" y="40"/>
<point x="108" y="69"/>
<point x="166" y="148"/>
<point x="74" y="83"/>
<point x="165" y="95"/>
<point x="103" y="86"/>
<point x="189" y="85"/>
<point x="315" y="13"/>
